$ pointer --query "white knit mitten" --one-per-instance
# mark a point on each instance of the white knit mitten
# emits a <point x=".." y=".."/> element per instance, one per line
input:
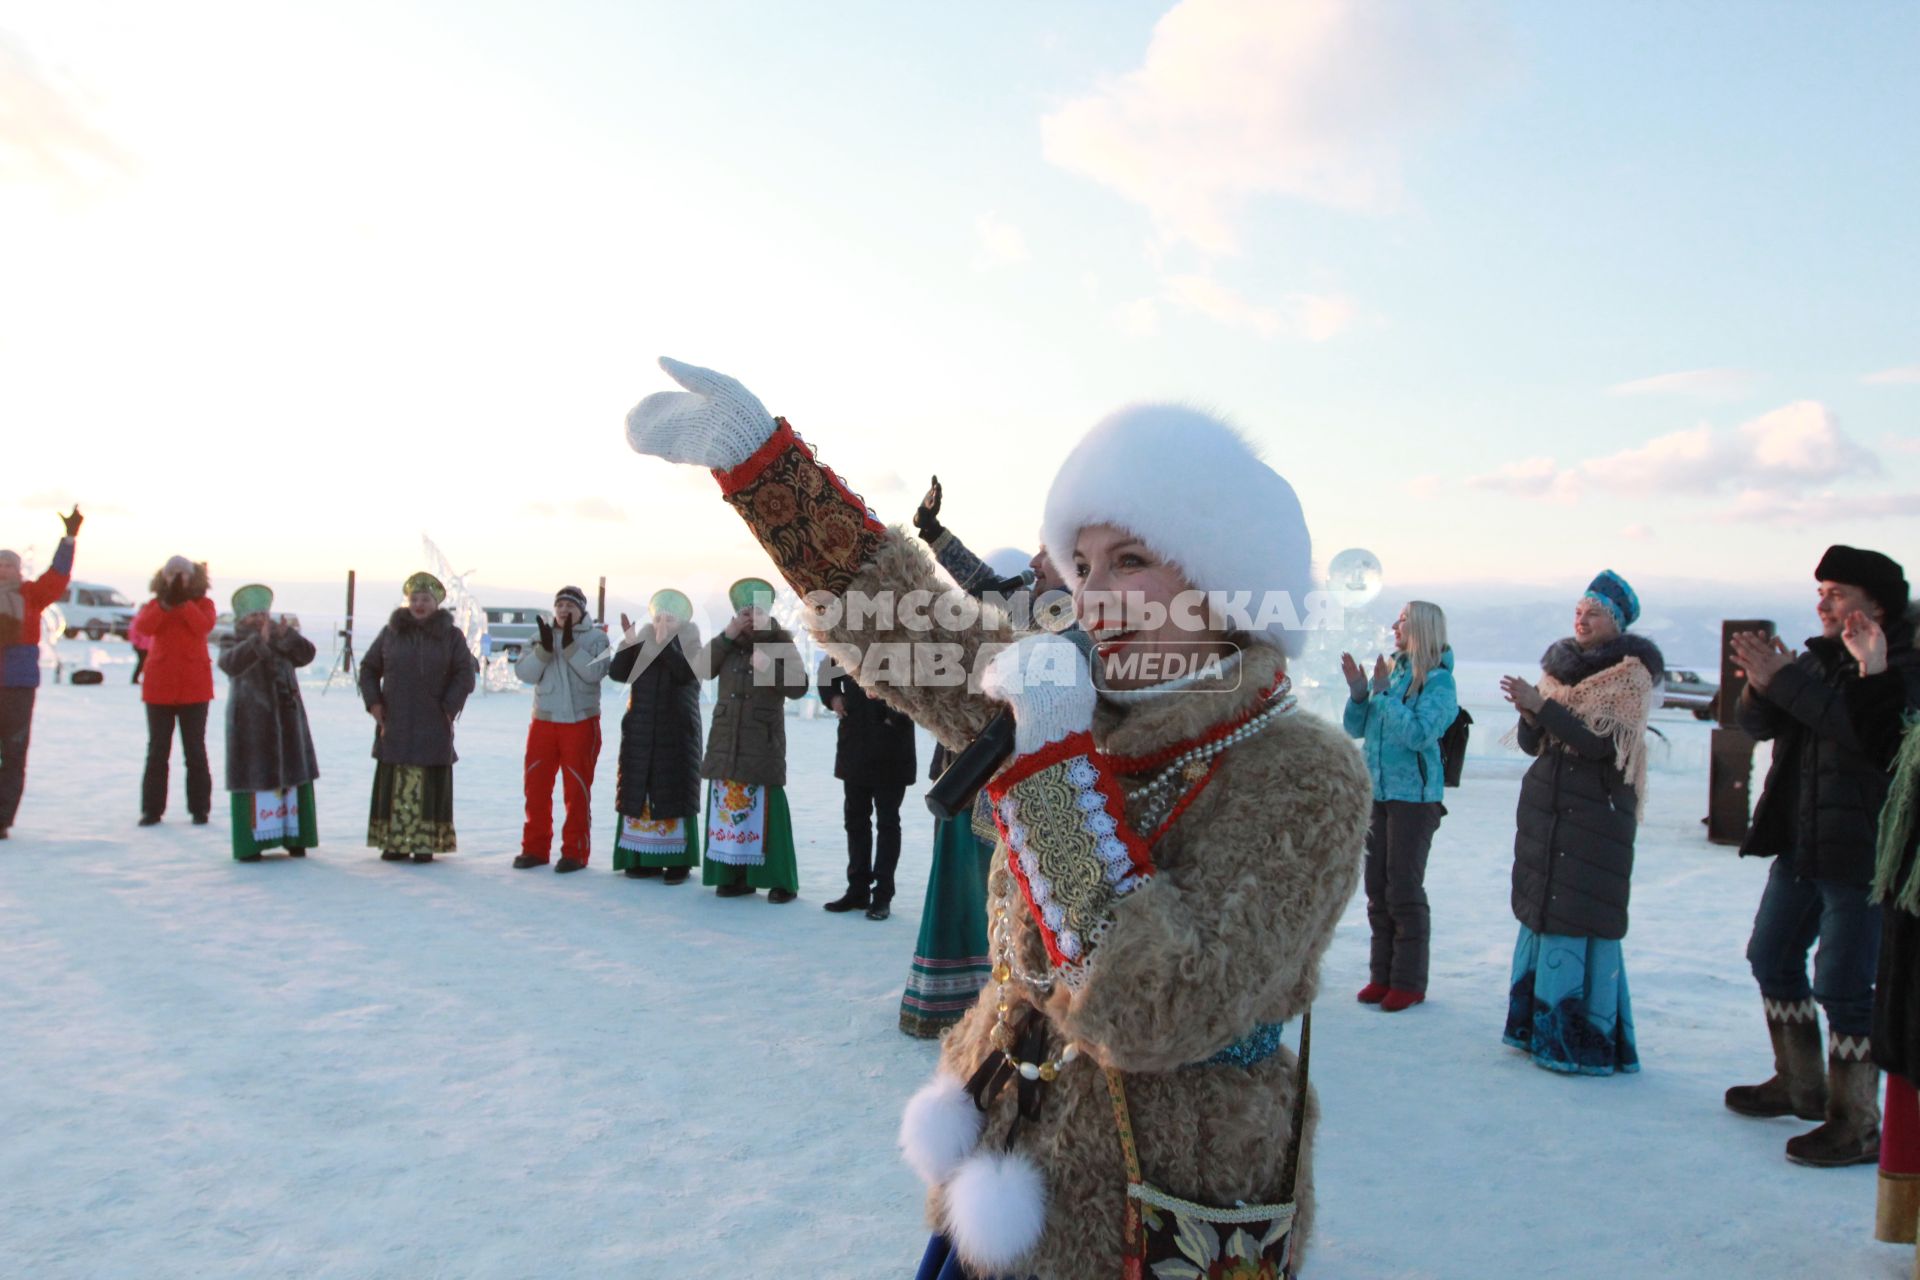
<point x="715" y="422"/>
<point x="1046" y="680"/>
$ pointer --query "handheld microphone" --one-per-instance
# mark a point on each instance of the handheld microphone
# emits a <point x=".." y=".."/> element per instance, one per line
<point x="952" y="793"/>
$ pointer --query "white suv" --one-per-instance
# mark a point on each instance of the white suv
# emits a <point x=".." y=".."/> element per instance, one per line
<point x="97" y="609"/>
<point x="515" y="627"/>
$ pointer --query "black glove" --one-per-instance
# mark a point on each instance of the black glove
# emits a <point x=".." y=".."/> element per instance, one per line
<point x="926" y="516"/>
<point x="73" y="521"/>
<point x="174" y="593"/>
<point x="546" y="633"/>
<point x="566" y="634"/>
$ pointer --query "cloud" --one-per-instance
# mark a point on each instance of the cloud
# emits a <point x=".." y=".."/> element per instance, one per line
<point x="1239" y="99"/>
<point x="1893" y="442"/>
<point x="1000" y="244"/>
<point x="1540" y="478"/>
<point x="1704" y="384"/>
<point x="1791" y="447"/>
<point x="1637" y="533"/>
<point x="1305" y="316"/>
<point x="1898" y="375"/>
<point x="45" y="135"/>
<point x="1764" y="506"/>
<point x="1422" y="487"/>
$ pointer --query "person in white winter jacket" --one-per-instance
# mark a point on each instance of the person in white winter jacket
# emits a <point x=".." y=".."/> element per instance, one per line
<point x="565" y="668"/>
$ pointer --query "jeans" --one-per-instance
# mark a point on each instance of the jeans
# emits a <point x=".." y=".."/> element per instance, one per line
<point x="192" y="719"/>
<point x="1793" y="913"/>
<point x="16" y="726"/>
<point x="1398" y="839"/>
<point x="868" y="876"/>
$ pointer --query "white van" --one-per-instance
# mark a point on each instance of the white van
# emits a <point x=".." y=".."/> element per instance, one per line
<point x="97" y="609"/>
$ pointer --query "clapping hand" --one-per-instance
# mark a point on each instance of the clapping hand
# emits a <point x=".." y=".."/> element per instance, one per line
<point x="566" y="633"/>
<point x="1866" y="642"/>
<point x="1382" y="673"/>
<point x="546" y="633"/>
<point x="1525" y="698"/>
<point x="1761" y="656"/>
<point x="1356" y="678"/>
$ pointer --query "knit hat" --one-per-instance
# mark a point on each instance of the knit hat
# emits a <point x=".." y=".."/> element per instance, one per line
<point x="1194" y="489"/>
<point x="424" y="581"/>
<point x="1879" y="576"/>
<point x="751" y="591"/>
<point x="252" y="598"/>
<point x="574" y="594"/>
<point x="1611" y="590"/>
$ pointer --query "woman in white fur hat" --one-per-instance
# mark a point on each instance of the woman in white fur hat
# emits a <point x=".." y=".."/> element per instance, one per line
<point x="1174" y="852"/>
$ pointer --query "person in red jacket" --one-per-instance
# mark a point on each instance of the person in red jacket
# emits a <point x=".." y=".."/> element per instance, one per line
<point x="20" y="606"/>
<point x="178" y="685"/>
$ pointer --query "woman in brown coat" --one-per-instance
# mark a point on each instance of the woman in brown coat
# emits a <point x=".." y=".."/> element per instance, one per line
<point x="1176" y="844"/>
<point x="749" y="830"/>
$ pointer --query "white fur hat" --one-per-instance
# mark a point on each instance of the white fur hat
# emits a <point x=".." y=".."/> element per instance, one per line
<point x="1197" y="492"/>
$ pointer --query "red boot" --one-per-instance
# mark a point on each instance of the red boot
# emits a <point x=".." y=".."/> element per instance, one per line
<point x="1373" y="993"/>
<point x="1396" y="1000"/>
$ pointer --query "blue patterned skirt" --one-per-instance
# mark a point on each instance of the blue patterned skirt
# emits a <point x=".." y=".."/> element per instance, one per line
<point x="1568" y="1005"/>
<point x="942" y="1263"/>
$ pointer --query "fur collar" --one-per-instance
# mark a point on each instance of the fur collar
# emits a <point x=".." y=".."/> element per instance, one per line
<point x="1568" y="663"/>
<point x="197" y="585"/>
<point x="438" y="622"/>
<point x="1141" y="728"/>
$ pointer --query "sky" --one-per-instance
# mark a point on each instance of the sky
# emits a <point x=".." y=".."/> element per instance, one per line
<point x="1510" y="293"/>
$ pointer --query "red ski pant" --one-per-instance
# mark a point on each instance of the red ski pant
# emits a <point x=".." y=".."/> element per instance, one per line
<point x="572" y="751"/>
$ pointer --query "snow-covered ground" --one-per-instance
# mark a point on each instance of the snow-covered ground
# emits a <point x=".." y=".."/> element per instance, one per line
<point x="343" y="1068"/>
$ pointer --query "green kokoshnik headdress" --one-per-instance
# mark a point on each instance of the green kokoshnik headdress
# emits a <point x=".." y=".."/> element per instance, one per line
<point x="674" y="604"/>
<point x="252" y="598"/>
<point x="757" y="592"/>
<point x="424" y="581"/>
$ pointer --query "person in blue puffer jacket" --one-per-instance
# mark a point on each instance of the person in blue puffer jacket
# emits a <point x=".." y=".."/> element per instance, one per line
<point x="1402" y="713"/>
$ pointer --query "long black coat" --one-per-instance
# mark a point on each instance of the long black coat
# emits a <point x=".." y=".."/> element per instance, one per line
<point x="268" y="743"/>
<point x="874" y="747"/>
<point x="1578" y="815"/>
<point x="422" y="672"/>
<point x="660" y="733"/>
<point x="1821" y="804"/>
<point x="748" y="740"/>
<point x="1877" y="707"/>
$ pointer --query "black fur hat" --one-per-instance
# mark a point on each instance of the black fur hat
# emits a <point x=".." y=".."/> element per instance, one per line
<point x="1879" y="576"/>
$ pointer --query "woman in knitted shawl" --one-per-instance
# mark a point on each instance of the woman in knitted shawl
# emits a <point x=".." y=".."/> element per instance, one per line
<point x="1580" y="805"/>
<point x="1173" y="852"/>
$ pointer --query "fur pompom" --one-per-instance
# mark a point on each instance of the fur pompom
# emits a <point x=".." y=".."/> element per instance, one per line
<point x="996" y="1210"/>
<point x="939" y="1128"/>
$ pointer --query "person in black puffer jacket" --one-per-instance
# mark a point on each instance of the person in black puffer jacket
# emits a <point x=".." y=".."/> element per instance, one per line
<point x="1817" y="818"/>
<point x="658" y="795"/>
<point x="1579" y="812"/>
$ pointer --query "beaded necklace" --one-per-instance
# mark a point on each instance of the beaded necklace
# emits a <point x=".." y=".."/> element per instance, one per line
<point x="1192" y="763"/>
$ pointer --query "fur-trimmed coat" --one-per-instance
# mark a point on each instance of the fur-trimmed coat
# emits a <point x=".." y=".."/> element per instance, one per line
<point x="422" y="671"/>
<point x="179" y="670"/>
<point x="1579" y="809"/>
<point x="1228" y="934"/>
<point x="269" y="745"/>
